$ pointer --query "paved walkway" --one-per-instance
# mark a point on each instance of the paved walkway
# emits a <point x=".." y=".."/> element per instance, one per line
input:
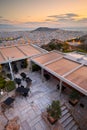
<point x="29" y="109"/>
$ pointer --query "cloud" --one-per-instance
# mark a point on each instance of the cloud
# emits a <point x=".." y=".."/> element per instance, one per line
<point x="6" y="26"/>
<point x="71" y="15"/>
<point x="64" y="17"/>
<point x="68" y="19"/>
<point x="50" y="20"/>
<point x="83" y="20"/>
<point x="33" y="22"/>
<point x="5" y="21"/>
<point x="1" y="17"/>
<point x="53" y="16"/>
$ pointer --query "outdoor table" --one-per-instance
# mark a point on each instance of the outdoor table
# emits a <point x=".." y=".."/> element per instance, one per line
<point x="8" y="101"/>
<point x="28" y="80"/>
<point x="22" y="90"/>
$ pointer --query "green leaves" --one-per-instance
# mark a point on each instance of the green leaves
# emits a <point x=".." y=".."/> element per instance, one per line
<point x="54" y="109"/>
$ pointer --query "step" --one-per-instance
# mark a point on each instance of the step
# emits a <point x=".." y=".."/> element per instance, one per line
<point x="75" y="127"/>
<point x="70" y="125"/>
<point x="67" y="121"/>
<point x="63" y="118"/>
<point x="63" y="107"/>
<point x="64" y="112"/>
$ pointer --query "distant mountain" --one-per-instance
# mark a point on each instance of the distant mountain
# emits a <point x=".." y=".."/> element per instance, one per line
<point x="45" y="29"/>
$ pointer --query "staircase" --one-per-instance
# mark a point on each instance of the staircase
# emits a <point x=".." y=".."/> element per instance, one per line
<point x="67" y="119"/>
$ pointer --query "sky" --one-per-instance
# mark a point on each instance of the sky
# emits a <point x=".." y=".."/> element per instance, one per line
<point x="43" y="13"/>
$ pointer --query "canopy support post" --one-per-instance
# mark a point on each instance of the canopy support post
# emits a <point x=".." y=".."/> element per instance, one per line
<point x="11" y="71"/>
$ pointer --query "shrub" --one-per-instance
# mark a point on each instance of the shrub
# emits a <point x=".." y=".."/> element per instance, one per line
<point x="10" y="85"/>
<point x="54" y="110"/>
<point x="35" y="67"/>
<point x="2" y="82"/>
<point x="74" y="95"/>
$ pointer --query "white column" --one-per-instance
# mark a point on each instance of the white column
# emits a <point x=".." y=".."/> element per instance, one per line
<point x="12" y="75"/>
<point x="60" y="89"/>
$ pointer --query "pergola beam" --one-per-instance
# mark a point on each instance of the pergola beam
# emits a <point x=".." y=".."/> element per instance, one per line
<point x="73" y="70"/>
<point x="59" y="58"/>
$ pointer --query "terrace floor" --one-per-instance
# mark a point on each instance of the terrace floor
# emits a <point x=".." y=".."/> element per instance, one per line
<point x="42" y="93"/>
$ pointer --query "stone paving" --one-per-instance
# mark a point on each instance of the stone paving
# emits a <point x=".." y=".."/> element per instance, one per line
<point x="29" y="109"/>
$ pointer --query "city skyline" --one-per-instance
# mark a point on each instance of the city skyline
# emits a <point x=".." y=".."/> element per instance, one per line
<point x="43" y="13"/>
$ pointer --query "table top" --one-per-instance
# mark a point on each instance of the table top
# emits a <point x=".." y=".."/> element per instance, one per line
<point x="28" y="79"/>
<point x="8" y="101"/>
<point x="22" y="90"/>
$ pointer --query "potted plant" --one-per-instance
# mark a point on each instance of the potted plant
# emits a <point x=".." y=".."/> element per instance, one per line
<point x="54" y="112"/>
<point x="35" y="68"/>
<point x="74" y="97"/>
<point x="24" y="63"/>
<point x="10" y="85"/>
<point x="2" y="82"/>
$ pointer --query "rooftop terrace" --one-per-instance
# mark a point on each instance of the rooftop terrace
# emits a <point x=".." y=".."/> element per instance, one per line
<point x="42" y="94"/>
<point x="68" y="69"/>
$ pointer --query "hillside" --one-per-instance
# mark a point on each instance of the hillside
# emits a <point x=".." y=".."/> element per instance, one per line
<point x="56" y="44"/>
<point x="40" y="36"/>
<point x="64" y="46"/>
<point x="82" y="43"/>
<point x="45" y="29"/>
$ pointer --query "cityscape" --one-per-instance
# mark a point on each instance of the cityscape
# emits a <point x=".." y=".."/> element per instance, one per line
<point x="43" y="65"/>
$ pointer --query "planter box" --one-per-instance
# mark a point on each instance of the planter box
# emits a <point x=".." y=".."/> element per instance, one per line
<point x="51" y="119"/>
<point x="55" y="126"/>
<point x="73" y="102"/>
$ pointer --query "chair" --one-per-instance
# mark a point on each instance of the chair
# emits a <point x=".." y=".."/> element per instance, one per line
<point x="25" y="94"/>
<point x="82" y="105"/>
<point x="22" y="86"/>
<point x="3" y="107"/>
<point x="23" y="75"/>
<point x="47" y="76"/>
<point x="18" y="81"/>
<point x="63" y="87"/>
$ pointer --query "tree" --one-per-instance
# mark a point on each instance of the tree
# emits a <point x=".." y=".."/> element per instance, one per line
<point x="65" y="46"/>
<point x="54" y="110"/>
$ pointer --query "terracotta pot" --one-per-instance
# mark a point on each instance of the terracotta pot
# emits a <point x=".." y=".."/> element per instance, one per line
<point x="51" y="119"/>
<point x="73" y="102"/>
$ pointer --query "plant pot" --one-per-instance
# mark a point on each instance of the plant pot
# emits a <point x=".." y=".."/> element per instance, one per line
<point x="73" y="101"/>
<point x="51" y="119"/>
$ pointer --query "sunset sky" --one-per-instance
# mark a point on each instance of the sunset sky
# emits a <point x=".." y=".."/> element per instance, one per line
<point x="36" y="13"/>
